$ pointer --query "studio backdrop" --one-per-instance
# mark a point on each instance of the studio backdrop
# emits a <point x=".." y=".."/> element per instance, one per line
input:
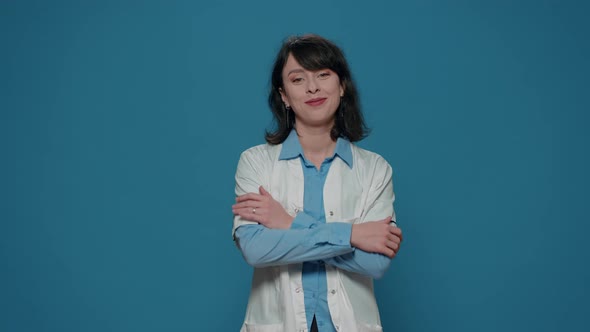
<point x="121" y="125"/>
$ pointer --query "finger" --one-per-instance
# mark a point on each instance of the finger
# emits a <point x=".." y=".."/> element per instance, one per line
<point x="393" y="238"/>
<point x="239" y="205"/>
<point x="249" y="216"/>
<point x="242" y="198"/>
<point x="238" y="211"/>
<point x="395" y="230"/>
<point x="242" y="211"/>
<point x="388" y="252"/>
<point x="244" y="204"/>
<point x="260" y="213"/>
<point x="399" y="233"/>
<point x="251" y="210"/>
<point x="387" y="248"/>
<point x="249" y="196"/>
<point x="263" y="191"/>
<point x="386" y="220"/>
<point x="393" y="246"/>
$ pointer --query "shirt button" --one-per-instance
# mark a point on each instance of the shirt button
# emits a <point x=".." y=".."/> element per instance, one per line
<point x="296" y="210"/>
<point x="333" y="291"/>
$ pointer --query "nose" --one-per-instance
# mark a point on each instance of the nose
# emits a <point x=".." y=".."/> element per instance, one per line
<point x="312" y="86"/>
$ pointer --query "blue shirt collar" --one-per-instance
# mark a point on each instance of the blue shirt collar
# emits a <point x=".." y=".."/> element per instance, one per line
<point x="292" y="148"/>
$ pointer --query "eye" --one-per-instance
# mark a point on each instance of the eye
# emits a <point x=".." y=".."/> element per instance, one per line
<point x="324" y="74"/>
<point x="296" y="80"/>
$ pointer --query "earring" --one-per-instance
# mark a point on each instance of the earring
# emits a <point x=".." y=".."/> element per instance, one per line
<point x="342" y="121"/>
<point x="287" y="111"/>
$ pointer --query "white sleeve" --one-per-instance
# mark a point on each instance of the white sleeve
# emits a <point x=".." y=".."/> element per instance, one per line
<point x="250" y="175"/>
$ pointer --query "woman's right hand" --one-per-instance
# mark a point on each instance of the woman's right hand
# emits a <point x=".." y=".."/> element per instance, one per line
<point x="262" y="208"/>
<point x="377" y="236"/>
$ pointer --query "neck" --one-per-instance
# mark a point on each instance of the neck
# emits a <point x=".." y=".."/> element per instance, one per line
<point x="316" y="142"/>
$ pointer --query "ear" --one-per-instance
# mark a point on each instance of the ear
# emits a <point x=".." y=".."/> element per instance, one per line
<point x="341" y="90"/>
<point x="284" y="96"/>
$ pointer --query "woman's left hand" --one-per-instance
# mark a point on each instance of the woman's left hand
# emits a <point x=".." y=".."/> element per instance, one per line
<point x="263" y="209"/>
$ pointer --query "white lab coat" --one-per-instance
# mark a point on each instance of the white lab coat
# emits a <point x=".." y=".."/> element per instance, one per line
<point x="363" y="193"/>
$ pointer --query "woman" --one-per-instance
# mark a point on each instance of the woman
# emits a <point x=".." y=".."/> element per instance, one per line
<point x="314" y="212"/>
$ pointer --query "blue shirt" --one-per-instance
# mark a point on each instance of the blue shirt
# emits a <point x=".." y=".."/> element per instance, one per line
<point x="315" y="287"/>
<point x="311" y="240"/>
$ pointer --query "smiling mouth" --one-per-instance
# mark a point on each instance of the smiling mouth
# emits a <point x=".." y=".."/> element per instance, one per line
<point x="316" y="101"/>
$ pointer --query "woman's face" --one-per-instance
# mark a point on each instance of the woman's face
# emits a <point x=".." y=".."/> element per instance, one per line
<point x="314" y="96"/>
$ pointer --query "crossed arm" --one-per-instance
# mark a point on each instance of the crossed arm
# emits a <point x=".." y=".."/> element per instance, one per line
<point x="278" y="239"/>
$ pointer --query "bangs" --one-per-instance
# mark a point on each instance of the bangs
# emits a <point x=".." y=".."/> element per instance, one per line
<point x="314" y="56"/>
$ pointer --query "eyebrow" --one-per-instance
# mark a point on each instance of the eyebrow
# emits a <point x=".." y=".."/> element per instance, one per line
<point x="299" y="70"/>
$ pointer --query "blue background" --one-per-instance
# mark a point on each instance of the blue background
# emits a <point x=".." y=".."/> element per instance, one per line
<point x="122" y="123"/>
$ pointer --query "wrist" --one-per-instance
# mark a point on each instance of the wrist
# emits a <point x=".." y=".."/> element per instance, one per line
<point x="353" y="232"/>
<point x="288" y="221"/>
<point x="284" y="222"/>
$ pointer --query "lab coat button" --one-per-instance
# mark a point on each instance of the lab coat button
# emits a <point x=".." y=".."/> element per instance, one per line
<point x="333" y="291"/>
<point x="331" y="213"/>
<point x="298" y="290"/>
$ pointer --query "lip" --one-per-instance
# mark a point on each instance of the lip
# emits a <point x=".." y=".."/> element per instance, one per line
<point x="316" y="101"/>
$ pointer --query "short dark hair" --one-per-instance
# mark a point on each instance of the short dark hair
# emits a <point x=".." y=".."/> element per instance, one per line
<point x="314" y="52"/>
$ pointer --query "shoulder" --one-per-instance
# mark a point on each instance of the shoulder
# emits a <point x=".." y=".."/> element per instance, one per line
<point x="262" y="152"/>
<point x="371" y="167"/>
<point x="259" y="157"/>
<point x="368" y="159"/>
